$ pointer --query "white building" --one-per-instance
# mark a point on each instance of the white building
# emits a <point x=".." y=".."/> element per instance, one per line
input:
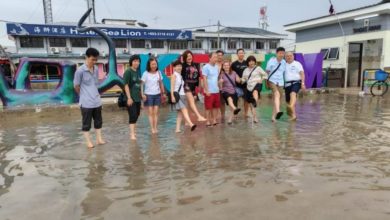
<point x="352" y="40"/>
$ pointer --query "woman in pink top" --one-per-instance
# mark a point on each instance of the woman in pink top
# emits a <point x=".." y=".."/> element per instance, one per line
<point x="228" y="80"/>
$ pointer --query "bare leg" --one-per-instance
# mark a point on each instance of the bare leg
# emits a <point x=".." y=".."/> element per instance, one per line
<point x="256" y="97"/>
<point x="208" y="115"/>
<point x="155" y="121"/>
<point x="99" y="136"/>
<point x="293" y="101"/>
<point x="246" y="108"/>
<point x="132" y="132"/>
<point x="88" y="140"/>
<point x="232" y="108"/>
<point x="276" y="101"/>
<point x="151" y="118"/>
<point x="178" y="121"/>
<point x="222" y="108"/>
<point x="214" y="115"/>
<point x="191" y="102"/>
<point x="184" y="111"/>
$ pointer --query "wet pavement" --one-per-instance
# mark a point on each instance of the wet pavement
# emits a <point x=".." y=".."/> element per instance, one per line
<point x="334" y="163"/>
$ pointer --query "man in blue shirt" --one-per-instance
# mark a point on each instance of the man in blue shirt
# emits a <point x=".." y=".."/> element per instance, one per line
<point x="85" y="82"/>
<point x="212" y="97"/>
<point x="276" y="68"/>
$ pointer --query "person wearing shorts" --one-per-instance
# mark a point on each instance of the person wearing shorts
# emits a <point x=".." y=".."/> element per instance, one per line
<point x="228" y="81"/>
<point x="86" y="81"/>
<point x="295" y="81"/>
<point x="254" y="77"/>
<point x="212" y="99"/>
<point x="153" y="92"/>
<point x="177" y="85"/>
<point x="276" y="68"/>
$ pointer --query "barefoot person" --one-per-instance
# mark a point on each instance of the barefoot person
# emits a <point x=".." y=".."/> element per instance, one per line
<point x="276" y="68"/>
<point x="228" y="82"/>
<point x="86" y="85"/>
<point x="220" y="55"/>
<point x="153" y="92"/>
<point x="191" y="76"/>
<point x="239" y="66"/>
<point x="295" y="81"/>
<point x="253" y="76"/>
<point x="133" y="92"/>
<point x="212" y="99"/>
<point x="177" y="86"/>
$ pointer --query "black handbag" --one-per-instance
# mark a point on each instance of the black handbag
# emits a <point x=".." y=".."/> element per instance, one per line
<point x="176" y="95"/>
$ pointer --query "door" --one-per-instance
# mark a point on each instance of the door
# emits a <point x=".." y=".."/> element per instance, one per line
<point x="355" y="64"/>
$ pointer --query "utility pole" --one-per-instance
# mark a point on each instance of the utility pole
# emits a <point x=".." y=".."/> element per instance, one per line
<point x="48" y="11"/>
<point x="219" y="39"/>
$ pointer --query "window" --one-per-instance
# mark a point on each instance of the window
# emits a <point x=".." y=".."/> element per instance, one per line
<point x="214" y="44"/>
<point x="157" y="44"/>
<point x="246" y="44"/>
<point x="57" y="42"/>
<point x="120" y="43"/>
<point x="260" y="45"/>
<point x="32" y="42"/>
<point x="138" y="43"/>
<point x="333" y="53"/>
<point x="325" y="53"/>
<point x="178" y="45"/>
<point x="197" y="44"/>
<point x="79" y="42"/>
<point x="273" y="44"/>
<point x="232" y="44"/>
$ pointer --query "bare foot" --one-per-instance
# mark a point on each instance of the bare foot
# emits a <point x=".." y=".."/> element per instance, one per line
<point x="90" y="145"/>
<point x="178" y="131"/>
<point x="201" y="119"/>
<point x="133" y="138"/>
<point x="101" y="142"/>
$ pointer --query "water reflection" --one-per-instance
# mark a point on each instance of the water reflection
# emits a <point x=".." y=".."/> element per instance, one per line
<point x="338" y="149"/>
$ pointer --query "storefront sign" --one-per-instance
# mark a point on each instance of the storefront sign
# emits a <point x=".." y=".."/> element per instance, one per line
<point x="367" y="29"/>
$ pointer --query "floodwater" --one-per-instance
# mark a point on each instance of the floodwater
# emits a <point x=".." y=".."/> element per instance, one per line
<point x="334" y="163"/>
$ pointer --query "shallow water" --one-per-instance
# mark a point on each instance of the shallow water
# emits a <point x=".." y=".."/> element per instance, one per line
<point x="334" y="163"/>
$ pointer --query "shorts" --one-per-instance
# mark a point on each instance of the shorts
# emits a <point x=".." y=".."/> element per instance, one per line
<point x="234" y="97"/>
<point x="88" y="114"/>
<point x="274" y="88"/>
<point x="249" y="94"/>
<point x="153" y="100"/>
<point x="212" y="101"/>
<point x="134" y="111"/>
<point x="182" y="103"/>
<point x="293" y="87"/>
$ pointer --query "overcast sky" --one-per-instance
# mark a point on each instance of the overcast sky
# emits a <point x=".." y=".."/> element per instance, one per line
<point x="176" y="13"/>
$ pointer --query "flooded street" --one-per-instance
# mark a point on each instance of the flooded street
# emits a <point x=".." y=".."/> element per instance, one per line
<point x="334" y="163"/>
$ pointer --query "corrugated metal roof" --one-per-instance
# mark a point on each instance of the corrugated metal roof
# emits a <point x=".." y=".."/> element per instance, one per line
<point x="248" y="30"/>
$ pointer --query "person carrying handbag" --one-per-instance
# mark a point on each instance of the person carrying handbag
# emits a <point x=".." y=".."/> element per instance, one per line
<point x="276" y="68"/>
<point x="152" y="92"/>
<point x="228" y="82"/>
<point x="178" y="98"/>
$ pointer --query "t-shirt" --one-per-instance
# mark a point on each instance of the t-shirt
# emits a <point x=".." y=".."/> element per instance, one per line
<point x="152" y="83"/>
<point x="258" y="75"/>
<point x="191" y="75"/>
<point x="239" y="68"/>
<point x="278" y="76"/>
<point x="88" y="82"/>
<point x="132" y="79"/>
<point x="293" y="71"/>
<point x="211" y="72"/>
<point x="227" y="86"/>
<point x="179" y="81"/>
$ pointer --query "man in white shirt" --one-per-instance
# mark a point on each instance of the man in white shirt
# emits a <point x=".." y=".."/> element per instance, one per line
<point x="276" y="68"/>
<point x="294" y="81"/>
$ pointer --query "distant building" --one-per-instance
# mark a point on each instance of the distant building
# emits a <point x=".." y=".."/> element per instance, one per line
<point x="63" y="41"/>
<point x="361" y="42"/>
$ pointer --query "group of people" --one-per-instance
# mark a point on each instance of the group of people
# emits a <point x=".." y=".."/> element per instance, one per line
<point x="221" y="82"/>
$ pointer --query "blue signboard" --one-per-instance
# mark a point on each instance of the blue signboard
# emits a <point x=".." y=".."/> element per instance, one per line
<point x="21" y="29"/>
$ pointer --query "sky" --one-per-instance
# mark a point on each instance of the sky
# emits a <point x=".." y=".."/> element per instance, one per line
<point x="175" y="14"/>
